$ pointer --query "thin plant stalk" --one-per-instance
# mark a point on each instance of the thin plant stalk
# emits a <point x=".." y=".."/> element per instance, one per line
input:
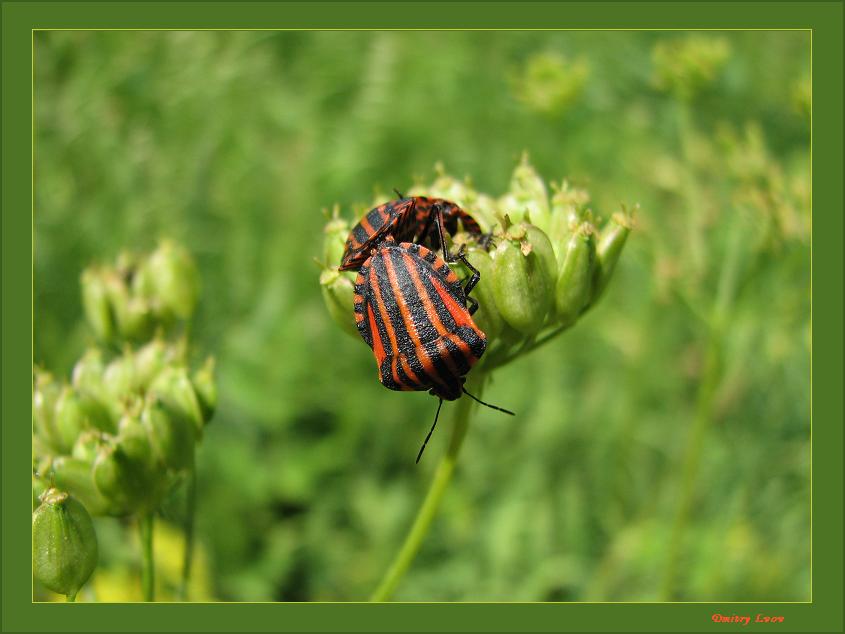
<point x="705" y="401"/>
<point x="188" y="555"/>
<point x="147" y="561"/>
<point x="425" y="516"/>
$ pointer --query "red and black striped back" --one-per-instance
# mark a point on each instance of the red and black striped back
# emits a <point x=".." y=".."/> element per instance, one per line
<point x="411" y="310"/>
<point x="390" y="219"/>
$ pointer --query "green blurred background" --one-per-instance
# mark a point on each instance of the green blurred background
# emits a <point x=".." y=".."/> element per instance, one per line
<point x="661" y="448"/>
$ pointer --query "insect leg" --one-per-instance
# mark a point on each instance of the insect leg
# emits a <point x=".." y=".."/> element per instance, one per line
<point x="459" y="256"/>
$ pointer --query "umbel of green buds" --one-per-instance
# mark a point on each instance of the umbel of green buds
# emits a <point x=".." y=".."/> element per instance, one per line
<point x="64" y="544"/>
<point x="136" y="295"/>
<point x="543" y="261"/>
<point x="170" y="278"/>
<point x="126" y="473"/>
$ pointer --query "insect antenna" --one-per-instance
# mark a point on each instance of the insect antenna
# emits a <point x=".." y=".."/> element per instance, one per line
<point x="419" y="455"/>
<point x="398" y="193"/>
<point x="478" y="400"/>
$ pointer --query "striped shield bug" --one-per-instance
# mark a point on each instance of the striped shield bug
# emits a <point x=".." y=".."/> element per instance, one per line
<point x="414" y="219"/>
<point x="410" y="308"/>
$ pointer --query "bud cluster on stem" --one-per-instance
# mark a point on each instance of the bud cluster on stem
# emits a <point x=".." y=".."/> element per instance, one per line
<point x="543" y="260"/>
<point x="122" y="431"/>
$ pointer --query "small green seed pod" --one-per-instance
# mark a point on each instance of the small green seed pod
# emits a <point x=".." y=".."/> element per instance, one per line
<point x="567" y="213"/>
<point x="338" y="292"/>
<point x="88" y="445"/>
<point x="487" y="316"/>
<point x="171" y="437"/>
<point x="115" y="479"/>
<point x="608" y="250"/>
<point x="96" y="304"/>
<point x="125" y="471"/>
<point x="574" y="284"/>
<point x="524" y="277"/>
<point x="527" y="198"/>
<point x="334" y="239"/>
<point x="45" y="394"/>
<point x="77" y="477"/>
<point x="173" y="386"/>
<point x="206" y="388"/>
<point x="64" y="544"/>
<point x="172" y="276"/>
<point x="150" y="359"/>
<point x="87" y="375"/>
<point x="120" y="381"/>
<point x="70" y="419"/>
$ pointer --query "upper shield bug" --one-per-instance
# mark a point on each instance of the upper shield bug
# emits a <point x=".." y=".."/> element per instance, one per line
<point x="414" y="219"/>
<point x="411" y="310"/>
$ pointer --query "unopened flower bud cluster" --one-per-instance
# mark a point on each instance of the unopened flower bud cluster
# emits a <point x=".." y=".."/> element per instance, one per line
<point x="546" y="263"/>
<point x="119" y="434"/>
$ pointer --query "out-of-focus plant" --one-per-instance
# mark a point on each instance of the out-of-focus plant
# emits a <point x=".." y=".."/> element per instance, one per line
<point x="685" y="66"/>
<point x="742" y="208"/>
<point x="122" y="433"/>
<point x="549" y="83"/>
<point x="550" y="264"/>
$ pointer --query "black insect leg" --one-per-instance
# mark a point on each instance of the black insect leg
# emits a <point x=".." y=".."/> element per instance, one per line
<point x="458" y="257"/>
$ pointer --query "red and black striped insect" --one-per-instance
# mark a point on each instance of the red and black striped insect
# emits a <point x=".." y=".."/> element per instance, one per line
<point x="417" y="219"/>
<point x="410" y="308"/>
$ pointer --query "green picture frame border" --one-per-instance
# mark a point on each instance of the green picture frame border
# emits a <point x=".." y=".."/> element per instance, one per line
<point x="19" y="19"/>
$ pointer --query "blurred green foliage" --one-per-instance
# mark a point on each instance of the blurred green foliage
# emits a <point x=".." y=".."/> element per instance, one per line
<point x="661" y="448"/>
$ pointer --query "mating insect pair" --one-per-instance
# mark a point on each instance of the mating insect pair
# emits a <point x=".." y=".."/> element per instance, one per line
<point x="410" y="306"/>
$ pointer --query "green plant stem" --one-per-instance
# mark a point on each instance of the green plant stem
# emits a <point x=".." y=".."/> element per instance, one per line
<point x="428" y="510"/>
<point x="147" y="562"/>
<point x="705" y="401"/>
<point x="188" y="555"/>
<point x="691" y="187"/>
<point x="71" y="598"/>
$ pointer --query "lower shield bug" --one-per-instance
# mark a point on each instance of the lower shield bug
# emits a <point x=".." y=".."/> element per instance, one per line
<point x="410" y="308"/>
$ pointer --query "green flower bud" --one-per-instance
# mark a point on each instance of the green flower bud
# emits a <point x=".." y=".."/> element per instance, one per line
<point x="170" y="278"/>
<point x="88" y="445"/>
<point x="96" y="304"/>
<point x="568" y="211"/>
<point x="206" y="388"/>
<point x="173" y="386"/>
<point x="87" y="375"/>
<point x="171" y="437"/>
<point x="120" y="380"/>
<point x="487" y="316"/>
<point x="70" y="419"/>
<point x="77" y="411"/>
<point x="609" y="248"/>
<point x="527" y="198"/>
<point x="125" y="471"/>
<point x="45" y="394"/>
<point x="338" y="292"/>
<point x="64" y="544"/>
<point x="131" y="316"/>
<point x="575" y="282"/>
<point x="335" y="234"/>
<point x="149" y="360"/>
<point x="77" y="477"/>
<point x="523" y="283"/>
